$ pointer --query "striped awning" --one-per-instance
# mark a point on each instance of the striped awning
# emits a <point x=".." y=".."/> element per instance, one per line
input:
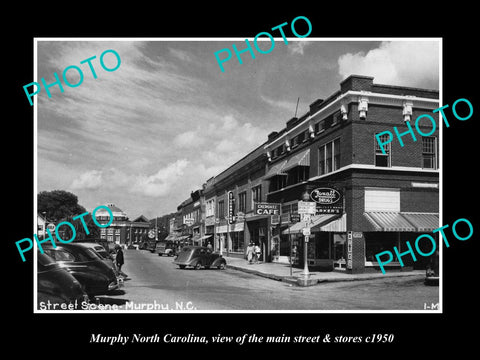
<point x="315" y="221"/>
<point x="300" y="159"/>
<point x="276" y="170"/>
<point x="337" y="224"/>
<point x="423" y="221"/>
<point x="402" y="221"/>
<point x="171" y="237"/>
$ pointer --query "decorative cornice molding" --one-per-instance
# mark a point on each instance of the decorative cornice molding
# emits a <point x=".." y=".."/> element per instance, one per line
<point x="342" y="102"/>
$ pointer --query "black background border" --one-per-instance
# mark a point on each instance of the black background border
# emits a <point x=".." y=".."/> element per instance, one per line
<point x="414" y="333"/>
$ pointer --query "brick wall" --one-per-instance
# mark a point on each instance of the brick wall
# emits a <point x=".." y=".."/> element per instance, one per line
<point x="379" y="119"/>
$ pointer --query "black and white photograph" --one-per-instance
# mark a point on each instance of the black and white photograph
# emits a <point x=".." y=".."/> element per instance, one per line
<point x="233" y="187"/>
<point x="271" y="194"/>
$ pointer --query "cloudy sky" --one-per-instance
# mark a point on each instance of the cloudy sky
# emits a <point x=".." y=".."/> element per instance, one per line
<point x="147" y="134"/>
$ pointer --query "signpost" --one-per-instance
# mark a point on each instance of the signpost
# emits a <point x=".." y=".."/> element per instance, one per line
<point x="294" y="218"/>
<point x="306" y="209"/>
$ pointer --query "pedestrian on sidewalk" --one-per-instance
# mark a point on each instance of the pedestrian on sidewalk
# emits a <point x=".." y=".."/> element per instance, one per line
<point x="257" y="252"/>
<point x="119" y="260"/>
<point x="250" y="253"/>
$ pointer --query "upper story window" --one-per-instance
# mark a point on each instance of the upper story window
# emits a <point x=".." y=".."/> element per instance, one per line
<point x="382" y="159"/>
<point x="221" y="209"/>
<point x="294" y="142"/>
<point x="256" y="195"/>
<point x="429" y="152"/>
<point x="210" y="208"/>
<point x="319" y="126"/>
<point x="242" y="202"/>
<point x="329" y="157"/>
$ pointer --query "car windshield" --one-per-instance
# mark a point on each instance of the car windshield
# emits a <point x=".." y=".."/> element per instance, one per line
<point x="101" y="251"/>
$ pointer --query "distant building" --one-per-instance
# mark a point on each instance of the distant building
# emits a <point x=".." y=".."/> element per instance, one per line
<point x="122" y="230"/>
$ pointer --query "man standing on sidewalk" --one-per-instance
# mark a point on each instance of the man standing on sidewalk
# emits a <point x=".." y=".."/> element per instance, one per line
<point x="250" y="253"/>
<point x="119" y="260"/>
<point x="257" y="252"/>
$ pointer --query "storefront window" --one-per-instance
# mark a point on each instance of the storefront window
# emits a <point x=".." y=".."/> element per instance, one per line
<point x="376" y="242"/>
<point x="238" y="243"/>
<point x="339" y="247"/>
<point x="322" y="245"/>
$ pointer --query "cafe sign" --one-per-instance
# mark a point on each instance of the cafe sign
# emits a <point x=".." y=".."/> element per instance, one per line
<point x="266" y="209"/>
<point x="328" y="200"/>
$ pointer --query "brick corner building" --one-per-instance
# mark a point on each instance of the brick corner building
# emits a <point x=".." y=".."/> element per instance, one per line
<point x="367" y="200"/>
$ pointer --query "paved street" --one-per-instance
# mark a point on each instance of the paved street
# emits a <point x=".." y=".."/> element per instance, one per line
<point x="156" y="280"/>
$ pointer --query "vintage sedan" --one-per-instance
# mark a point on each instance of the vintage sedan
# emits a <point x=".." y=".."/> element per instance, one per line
<point x="57" y="289"/>
<point x="198" y="257"/>
<point x="86" y="266"/>
<point x="100" y="250"/>
<point x="165" y="248"/>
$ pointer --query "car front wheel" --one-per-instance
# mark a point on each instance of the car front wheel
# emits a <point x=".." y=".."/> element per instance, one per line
<point x="198" y="266"/>
<point x="222" y="266"/>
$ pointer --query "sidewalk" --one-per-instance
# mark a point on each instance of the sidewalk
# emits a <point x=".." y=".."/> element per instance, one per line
<point x="281" y="272"/>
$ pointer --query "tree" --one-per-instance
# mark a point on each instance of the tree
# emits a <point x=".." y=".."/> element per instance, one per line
<point x="80" y="233"/>
<point x="58" y="204"/>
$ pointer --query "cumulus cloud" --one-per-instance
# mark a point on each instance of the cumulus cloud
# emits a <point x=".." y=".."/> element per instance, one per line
<point x="407" y="63"/>
<point x="162" y="182"/>
<point x="188" y="139"/>
<point x="88" y="180"/>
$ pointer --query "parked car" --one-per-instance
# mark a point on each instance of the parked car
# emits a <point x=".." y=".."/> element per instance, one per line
<point x="165" y="248"/>
<point x="57" y="289"/>
<point x="100" y="250"/>
<point x="86" y="266"/>
<point x="198" y="257"/>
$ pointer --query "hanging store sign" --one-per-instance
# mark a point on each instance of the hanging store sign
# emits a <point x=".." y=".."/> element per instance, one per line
<point x="266" y="209"/>
<point x="231" y="207"/>
<point x="349" y="250"/>
<point x="328" y="201"/>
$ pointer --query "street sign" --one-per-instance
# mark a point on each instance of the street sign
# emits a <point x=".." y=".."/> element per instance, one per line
<point x="294" y="218"/>
<point x="189" y="221"/>
<point x="306" y="218"/>
<point x="306" y="231"/>
<point x="307" y="207"/>
<point x="151" y="233"/>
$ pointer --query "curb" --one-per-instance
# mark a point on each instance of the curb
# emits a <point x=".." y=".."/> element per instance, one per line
<point x="310" y="282"/>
